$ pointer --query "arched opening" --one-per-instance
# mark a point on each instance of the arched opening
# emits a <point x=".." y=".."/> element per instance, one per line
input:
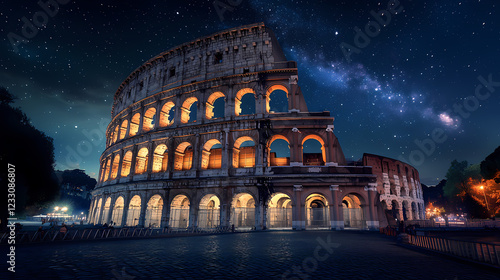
<point x="395" y="211"/>
<point x="183" y="157"/>
<point x="134" y="211"/>
<point x="317" y="212"/>
<point x="353" y="211"/>
<point x="209" y="212"/>
<point x="141" y="164"/>
<point x="108" y="166"/>
<point x="134" y="124"/>
<point x="244" y="152"/>
<point x="167" y="114"/>
<point x="211" y="157"/>
<point x="105" y="211"/>
<point x="277" y="99"/>
<point x="243" y="211"/>
<point x="149" y="120"/>
<point x="406" y="211"/>
<point x="123" y="129"/>
<point x="279" y="211"/>
<point x="153" y="211"/>
<point x="313" y="150"/>
<point x="126" y="163"/>
<point x="179" y="212"/>
<point x="160" y="159"/>
<point x="189" y="110"/>
<point x="245" y="102"/>
<point x="116" y="133"/>
<point x="215" y="105"/>
<point x="97" y="213"/>
<point x="279" y="151"/>
<point x="116" y="164"/>
<point x="118" y="211"/>
<point x="414" y="210"/>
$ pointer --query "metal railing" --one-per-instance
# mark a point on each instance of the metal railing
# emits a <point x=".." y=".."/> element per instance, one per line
<point x="463" y="224"/>
<point x="481" y="252"/>
<point x="105" y="233"/>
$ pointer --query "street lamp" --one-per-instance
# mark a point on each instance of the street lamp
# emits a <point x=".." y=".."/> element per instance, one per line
<point x="485" y="200"/>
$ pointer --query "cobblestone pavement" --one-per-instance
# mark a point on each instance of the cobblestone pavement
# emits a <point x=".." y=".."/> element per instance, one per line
<point x="258" y="255"/>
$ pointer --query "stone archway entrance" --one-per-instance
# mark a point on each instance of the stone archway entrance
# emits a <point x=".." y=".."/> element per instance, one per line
<point x="243" y="211"/>
<point x="317" y="212"/>
<point x="279" y="212"/>
<point x="179" y="212"/>
<point x="353" y="212"/>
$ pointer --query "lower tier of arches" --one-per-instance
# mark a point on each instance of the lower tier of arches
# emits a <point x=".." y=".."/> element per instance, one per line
<point x="296" y="207"/>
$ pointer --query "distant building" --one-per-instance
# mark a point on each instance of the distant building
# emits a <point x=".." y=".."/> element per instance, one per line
<point x="198" y="139"/>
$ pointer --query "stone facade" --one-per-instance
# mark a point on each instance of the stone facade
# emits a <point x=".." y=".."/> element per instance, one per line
<point x="195" y="141"/>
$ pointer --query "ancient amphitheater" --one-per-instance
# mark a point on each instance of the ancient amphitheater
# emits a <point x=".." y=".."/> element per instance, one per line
<point x="216" y="132"/>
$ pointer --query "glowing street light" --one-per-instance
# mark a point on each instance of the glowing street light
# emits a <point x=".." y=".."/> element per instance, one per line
<point x="56" y="208"/>
<point x="64" y="209"/>
<point x="485" y="200"/>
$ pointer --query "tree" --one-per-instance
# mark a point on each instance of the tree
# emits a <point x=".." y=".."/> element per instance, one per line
<point x="490" y="166"/>
<point x="460" y="179"/>
<point x="32" y="154"/>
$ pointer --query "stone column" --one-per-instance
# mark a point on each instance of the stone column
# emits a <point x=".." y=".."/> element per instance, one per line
<point x="129" y="121"/>
<point x="298" y="217"/>
<point x="119" y="171"/>
<point x="133" y="162"/>
<point x="165" y="212"/>
<point x="149" y="167"/>
<point x="197" y="150"/>
<point x="110" y="211"/>
<point x="142" y="216"/>
<point x="296" y="149"/>
<point x="336" y="217"/>
<point x="126" y="204"/>
<point x="292" y="95"/>
<point x="225" y="153"/>
<point x="141" y="120"/>
<point x="372" y="221"/>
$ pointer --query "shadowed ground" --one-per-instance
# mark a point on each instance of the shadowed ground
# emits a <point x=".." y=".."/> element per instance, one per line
<point x="258" y="255"/>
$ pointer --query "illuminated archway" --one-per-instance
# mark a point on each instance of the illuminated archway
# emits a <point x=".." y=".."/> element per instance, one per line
<point x="215" y="106"/>
<point x="114" y="168"/>
<point x="243" y="211"/>
<point x="183" y="157"/>
<point x="167" y="114"/>
<point x="97" y="214"/>
<point x="353" y="211"/>
<point x="313" y="150"/>
<point x="126" y="163"/>
<point x="141" y="163"/>
<point x="211" y="157"/>
<point x="123" y="129"/>
<point x="105" y="211"/>
<point x="179" y="212"/>
<point x="134" y="124"/>
<point x="116" y="133"/>
<point x="188" y="113"/>
<point x="160" y="158"/>
<point x="279" y="211"/>
<point x="245" y="102"/>
<point x="149" y="121"/>
<point x="279" y="151"/>
<point x="209" y="212"/>
<point x="244" y="152"/>
<point x="134" y="211"/>
<point x="106" y="171"/>
<point x="118" y="211"/>
<point x="317" y="214"/>
<point x="277" y="99"/>
<point x="153" y="211"/>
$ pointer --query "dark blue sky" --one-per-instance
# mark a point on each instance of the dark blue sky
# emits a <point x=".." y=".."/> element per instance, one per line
<point x="415" y="76"/>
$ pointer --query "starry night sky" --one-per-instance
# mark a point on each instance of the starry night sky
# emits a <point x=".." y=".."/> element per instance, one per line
<point x="395" y="90"/>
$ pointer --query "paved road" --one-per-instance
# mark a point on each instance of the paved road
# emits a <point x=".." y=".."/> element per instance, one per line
<point x="258" y="255"/>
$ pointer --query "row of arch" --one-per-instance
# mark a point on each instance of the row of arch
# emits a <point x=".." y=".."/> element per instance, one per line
<point x="243" y="155"/>
<point x="164" y="115"/>
<point x="403" y="210"/>
<point x="206" y="213"/>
